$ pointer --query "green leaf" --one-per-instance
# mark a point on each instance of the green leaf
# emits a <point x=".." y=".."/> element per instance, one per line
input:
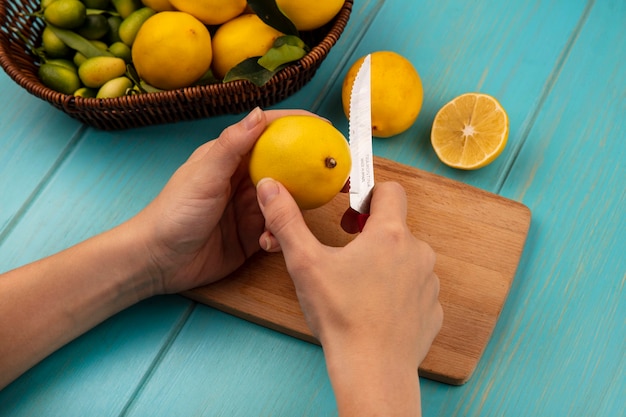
<point x="284" y="50"/>
<point x="99" y="11"/>
<point x="250" y="70"/>
<point x="259" y="70"/>
<point x="131" y="73"/>
<point x="140" y="85"/>
<point x="78" y="43"/>
<point x="147" y="88"/>
<point x="207" y="79"/>
<point x="269" y="12"/>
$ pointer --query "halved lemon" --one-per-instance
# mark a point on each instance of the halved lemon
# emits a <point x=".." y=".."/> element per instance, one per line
<point x="470" y="131"/>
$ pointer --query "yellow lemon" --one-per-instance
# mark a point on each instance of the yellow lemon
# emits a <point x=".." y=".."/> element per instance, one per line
<point x="159" y="5"/>
<point x="397" y="93"/>
<point x="211" y="12"/>
<point x="470" y="131"/>
<point x="172" y="50"/>
<point x="244" y="37"/>
<point x="307" y="155"/>
<point x="310" y="14"/>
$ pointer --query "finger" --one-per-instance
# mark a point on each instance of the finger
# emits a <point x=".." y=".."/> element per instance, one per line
<point x="200" y="151"/>
<point x="268" y="242"/>
<point x="388" y="202"/>
<point x="225" y="153"/>
<point x="237" y="140"/>
<point x="272" y="115"/>
<point x="283" y="218"/>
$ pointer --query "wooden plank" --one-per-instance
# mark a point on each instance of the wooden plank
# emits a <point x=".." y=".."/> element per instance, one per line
<point x="506" y="49"/>
<point x="558" y="345"/>
<point x="311" y="96"/>
<point x="34" y="140"/>
<point x="98" y="373"/>
<point x="220" y="365"/>
<point x="560" y="349"/>
<point x="102" y="179"/>
<point x="478" y="238"/>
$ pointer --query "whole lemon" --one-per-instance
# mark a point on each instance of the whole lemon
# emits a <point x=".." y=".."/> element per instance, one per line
<point x="397" y="93"/>
<point x="307" y="155"/>
<point x="211" y="12"/>
<point x="172" y="50"/>
<point x="159" y="5"/>
<point x="245" y="36"/>
<point x="310" y="14"/>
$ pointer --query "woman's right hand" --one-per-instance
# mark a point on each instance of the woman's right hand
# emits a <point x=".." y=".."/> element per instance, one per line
<point x="373" y="304"/>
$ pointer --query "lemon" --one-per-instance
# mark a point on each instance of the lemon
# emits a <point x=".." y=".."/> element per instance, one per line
<point x="470" y="131"/>
<point x="114" y="26"/>
<point x="307" y="155"/>
<point x="59" y="78"/>
<point x="67" y="14"/>
<point x="125" y="7"/>
<point x="310" y="14"/>
<point x="63" y="62"/>
<point x="243" y="37"/>
<point x="211" y="12"/>
<point x="96" y="4"/>
<point x="172" y="50"/>
<point x="397" y="93"/>
<point x="129" y="28"/>
<point x="159" y="5"/>
<point x="116" y="87"/>
<point x="97" y="70"/>
<point x="53" y="45"/>
<point x="121" y="50"/>
<point x="86" y="92"/>
<point x="94" y="27"/>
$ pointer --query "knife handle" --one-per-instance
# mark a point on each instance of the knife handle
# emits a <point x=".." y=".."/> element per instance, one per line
<point x="361" y="218"/>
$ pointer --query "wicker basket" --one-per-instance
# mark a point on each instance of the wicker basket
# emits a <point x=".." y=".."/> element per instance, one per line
<point x="156" y="108"/>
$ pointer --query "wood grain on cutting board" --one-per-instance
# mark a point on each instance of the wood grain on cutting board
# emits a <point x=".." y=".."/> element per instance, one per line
<point x="478" y="237"/>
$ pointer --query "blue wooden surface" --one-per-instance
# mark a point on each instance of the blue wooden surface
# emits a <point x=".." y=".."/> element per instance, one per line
<point x="558" y="68"/>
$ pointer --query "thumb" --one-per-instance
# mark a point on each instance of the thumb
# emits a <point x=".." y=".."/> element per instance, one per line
<point x="283" y="219"/>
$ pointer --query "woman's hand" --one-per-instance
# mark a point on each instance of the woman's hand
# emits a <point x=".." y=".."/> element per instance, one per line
<point x="372" y="304"/>
<point x="202" y="226"/>
<point x="206" y="222"/>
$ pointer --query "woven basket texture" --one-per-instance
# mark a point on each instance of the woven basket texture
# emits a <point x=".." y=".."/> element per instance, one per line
<point x="156" y="108"/>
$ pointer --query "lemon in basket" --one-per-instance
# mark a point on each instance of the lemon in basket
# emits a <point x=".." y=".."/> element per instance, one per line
<point x="470" y="131"/>
<point x="67" y="14"/>
<point x="397" y="93"/>
<point x="172" y="50"/>
<point x="53" y="46"/>
<point x="307" y="155"/>
<point x="310" y="14"/>
<point x="159" y="5"/>
<point x="243" y="37"/>
<point x="211" y="12"/>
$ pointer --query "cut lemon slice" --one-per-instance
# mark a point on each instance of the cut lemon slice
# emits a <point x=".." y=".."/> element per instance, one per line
<point x="470" y="131"/>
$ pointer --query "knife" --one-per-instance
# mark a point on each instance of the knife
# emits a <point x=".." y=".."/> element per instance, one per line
<point x="360" y="132"/>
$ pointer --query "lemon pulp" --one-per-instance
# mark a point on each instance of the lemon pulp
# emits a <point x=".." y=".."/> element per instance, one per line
<point x="470" y="131"/>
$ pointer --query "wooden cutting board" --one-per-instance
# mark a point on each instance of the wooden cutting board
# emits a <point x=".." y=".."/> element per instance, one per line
<point x="478" y="237"/>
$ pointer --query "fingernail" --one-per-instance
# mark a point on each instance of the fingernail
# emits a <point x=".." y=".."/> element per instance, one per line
<point x="266" y="190"/>
<point x="253" y="118"/>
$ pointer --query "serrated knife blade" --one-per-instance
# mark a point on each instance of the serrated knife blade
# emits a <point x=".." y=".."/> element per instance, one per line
<point x="360" y="132"/>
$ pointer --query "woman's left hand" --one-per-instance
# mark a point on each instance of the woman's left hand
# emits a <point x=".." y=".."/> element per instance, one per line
<point x="206" y="221"/>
